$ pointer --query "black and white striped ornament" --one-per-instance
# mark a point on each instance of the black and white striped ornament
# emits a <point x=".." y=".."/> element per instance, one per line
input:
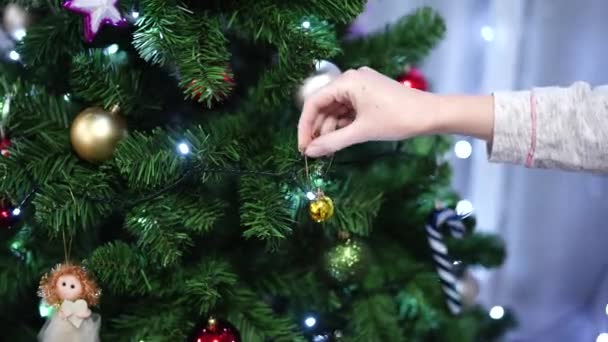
<point x="446" y="218"/>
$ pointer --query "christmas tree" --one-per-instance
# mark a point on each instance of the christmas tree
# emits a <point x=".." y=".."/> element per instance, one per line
<point x="151" y="144"/>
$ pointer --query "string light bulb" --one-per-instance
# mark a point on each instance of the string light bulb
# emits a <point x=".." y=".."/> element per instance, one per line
<point x="497" y="312"/>
<point x="310" y="321"/>
<point x="183" y="148"/>
<point x="14" y="55"/>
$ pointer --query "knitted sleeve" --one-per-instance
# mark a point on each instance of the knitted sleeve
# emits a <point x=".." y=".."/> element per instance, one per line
<point x="552" y="127"/>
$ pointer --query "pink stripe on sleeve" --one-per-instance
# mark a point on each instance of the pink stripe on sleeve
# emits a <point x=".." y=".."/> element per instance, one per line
<point x="532" y="150"/>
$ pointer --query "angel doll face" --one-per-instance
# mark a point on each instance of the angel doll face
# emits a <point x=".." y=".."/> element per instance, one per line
<point x="69" y="287"/>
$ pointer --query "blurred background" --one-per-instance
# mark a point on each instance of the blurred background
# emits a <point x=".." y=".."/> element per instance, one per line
<point x="555" y="278"/>
<point x="556" y="274"/>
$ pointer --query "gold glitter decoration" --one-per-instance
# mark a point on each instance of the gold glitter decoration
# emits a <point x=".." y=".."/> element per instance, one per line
<point x="347" y="261"/>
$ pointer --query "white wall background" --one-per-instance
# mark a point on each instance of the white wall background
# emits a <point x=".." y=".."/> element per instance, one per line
<point x="556" y="274"/>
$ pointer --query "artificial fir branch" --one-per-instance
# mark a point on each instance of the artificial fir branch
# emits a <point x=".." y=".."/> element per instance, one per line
<point x="405" y="42"/>
<point x="256" y="321"/>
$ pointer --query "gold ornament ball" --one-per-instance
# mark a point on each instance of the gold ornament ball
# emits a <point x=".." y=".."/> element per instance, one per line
<point x="347" y="261"/>
<point x="321" y="208"/>
<point x="95" y="133"/>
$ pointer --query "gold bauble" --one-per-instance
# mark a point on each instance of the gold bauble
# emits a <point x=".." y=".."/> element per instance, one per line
<point x="325" y="72"/>
<point x="321" y="208"/>
<point x="95" y="133"/>
<point x="348" y="261"/>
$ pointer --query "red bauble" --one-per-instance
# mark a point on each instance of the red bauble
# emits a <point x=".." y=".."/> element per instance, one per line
<point x="217" y="331"/>
<point x="414" y="79"/>
<point x="6" y="214"/>
<point x="5" y="143"/>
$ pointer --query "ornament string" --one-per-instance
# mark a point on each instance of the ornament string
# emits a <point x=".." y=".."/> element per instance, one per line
<point x="324" y="174"/>
<point x="67" y="247"/>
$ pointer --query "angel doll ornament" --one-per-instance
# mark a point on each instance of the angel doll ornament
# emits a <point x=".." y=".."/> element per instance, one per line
<point x="72" y="291"/>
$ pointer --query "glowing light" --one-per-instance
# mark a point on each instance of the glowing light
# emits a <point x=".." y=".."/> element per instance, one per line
<point x="45" y="310"/>
<point x="19" y="34"/>
<point x="306" y="24"/>
<point x="66" y="97"/>
<point x="14" y="55"/>
<point x="310" y="321"/>
<point x="135" y="15"/>
<point x="112" y="49"/>
<point x="498" y="312"/>
<point x="603" y="337"/>
<point x="464" y="208"/>
<point x="183" y="148"/>
<point x="606" y="309"/>
<point x="487" y="33"/>
<point x="463" y="149"/>
<point x="16" y="212"/>
<point x="311" y="196"/>
<point x="16" y="245"/>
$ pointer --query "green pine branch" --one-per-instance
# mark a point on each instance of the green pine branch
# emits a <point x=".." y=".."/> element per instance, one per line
<point x="121" y="269"/>
<point x="165" y="226"/>
<point x="76" y="201"/>
<point x="264" y="212"/>
<point x="151" y="320"/>
<point x="478" y="249"/>
<point x="171" y="33"/>
<point x="356" y="205"/>
<point x="374" y="319"/>
<point x="102" y="80"/>
<point x="208" y="284"/>
<point x="405" y="42"/>
<point x="256" y="321"/>
<point x="52" y="40"/>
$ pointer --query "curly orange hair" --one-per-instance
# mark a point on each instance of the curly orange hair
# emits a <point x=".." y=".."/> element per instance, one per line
<point x="48" y="284"/>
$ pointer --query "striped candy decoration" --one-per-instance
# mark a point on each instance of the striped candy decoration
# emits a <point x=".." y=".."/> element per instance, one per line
<point x="441" y="258"/>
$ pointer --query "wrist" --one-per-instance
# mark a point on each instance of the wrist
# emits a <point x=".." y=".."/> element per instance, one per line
<point x="465" y="115"/>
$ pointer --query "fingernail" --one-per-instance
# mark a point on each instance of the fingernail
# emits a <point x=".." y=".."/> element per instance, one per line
<point x="316" y="151"/>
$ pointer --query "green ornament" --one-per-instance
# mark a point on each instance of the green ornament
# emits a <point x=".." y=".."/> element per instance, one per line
<point x="348" y="261"/>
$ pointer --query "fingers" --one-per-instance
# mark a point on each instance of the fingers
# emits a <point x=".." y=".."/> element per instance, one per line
<point x="336" y="140"/>
<point x="317" y="104"/>
<point x="329" y="125"/>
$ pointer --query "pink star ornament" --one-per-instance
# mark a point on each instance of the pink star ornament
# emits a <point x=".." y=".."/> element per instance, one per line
<point x="96" y="13"/>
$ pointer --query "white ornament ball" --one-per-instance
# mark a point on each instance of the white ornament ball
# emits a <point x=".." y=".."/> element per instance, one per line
<point x="325" y="72"/>
<point x="15" y="18"/>
<point x="468" y="287"/>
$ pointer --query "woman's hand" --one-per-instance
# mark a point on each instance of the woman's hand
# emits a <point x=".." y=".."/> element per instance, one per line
<point x="363" y="105"/>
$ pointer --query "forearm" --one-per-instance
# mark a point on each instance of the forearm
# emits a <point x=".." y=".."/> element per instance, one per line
<point x="465" y="115"/>
<point x="551" y="127"/>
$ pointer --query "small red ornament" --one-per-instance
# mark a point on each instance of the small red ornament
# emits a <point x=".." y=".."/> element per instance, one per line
<point x="198" y="91"/>
<point x="217" y="331"/>
<point x="5" y="144"/>
<point x="6" y="214"/>
<point x="414" y="79"/>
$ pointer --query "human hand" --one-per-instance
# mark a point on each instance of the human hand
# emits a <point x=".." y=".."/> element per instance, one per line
<point x="363" y="105"/>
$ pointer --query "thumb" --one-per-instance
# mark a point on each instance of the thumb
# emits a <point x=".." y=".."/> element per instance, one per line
<point x="335" y="141"/>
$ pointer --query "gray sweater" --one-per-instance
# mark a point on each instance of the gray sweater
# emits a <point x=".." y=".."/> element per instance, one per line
<point x="563" y="128"/>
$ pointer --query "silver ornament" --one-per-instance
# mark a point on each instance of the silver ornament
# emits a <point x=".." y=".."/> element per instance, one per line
<point x="15" y="20"/>
<point x="468" y="287"/>
<point x="325" y="72"/>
